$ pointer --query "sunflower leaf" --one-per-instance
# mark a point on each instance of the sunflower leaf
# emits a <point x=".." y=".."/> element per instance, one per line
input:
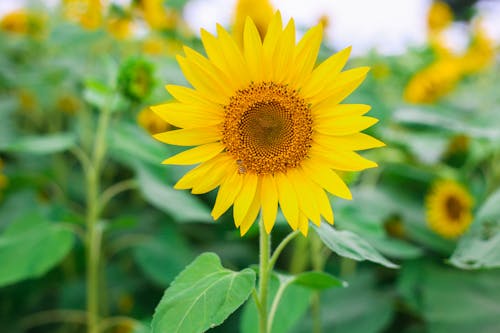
<point x="480" y="247"/>
<point x="31" y="246"/>
<point x="202" y="296"/>
<point x="46" y="144"/>
<point x="350" y="245"/>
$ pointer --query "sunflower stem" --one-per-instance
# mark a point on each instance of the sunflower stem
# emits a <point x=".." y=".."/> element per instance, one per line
<point x="318" y="264"/>
<point x="264" y="271"/>
<point x="94" y="232"/>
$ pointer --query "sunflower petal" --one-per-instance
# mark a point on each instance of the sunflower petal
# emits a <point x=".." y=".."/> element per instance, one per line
<point x="344" y="84"/>
<point x="325" y="72"/>
<point x="345" y="125"/>
<point x="188" y="116"/>
<point x="253" y="50"/>
<point x="189" y="96"/>
<point x="269" y="196"/>
<point x="357" y="141"/>
<point x="251" y="215"/>
<point x="303" y="188"/>
<point x="327" y="179"/>
<point x="341" y="160"/>
<point x="288" y="200"/>
<point x="305" y="56"/>
<point x="196" y="155"/>
<point x="194" y="176"/>
<point x="190" y="136"/>
<point x="227" y="194"/>
<point x="322" y="113"/>
<point x="303" y="224"/>
<point x="245" y="198"/>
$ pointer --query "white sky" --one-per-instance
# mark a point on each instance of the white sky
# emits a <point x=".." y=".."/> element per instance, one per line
<point x="387" y="25"/>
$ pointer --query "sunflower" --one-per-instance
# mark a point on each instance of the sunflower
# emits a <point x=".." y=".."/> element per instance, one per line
<point x="440" y="16"/>
<point x="268" y="127"/>
<point x="448" y="207"/>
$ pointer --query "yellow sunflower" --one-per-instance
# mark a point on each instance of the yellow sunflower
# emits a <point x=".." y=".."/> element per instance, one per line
<point x="440" y="16"/>
<point x="448" y="207"/>
<point x="268" y="127"/>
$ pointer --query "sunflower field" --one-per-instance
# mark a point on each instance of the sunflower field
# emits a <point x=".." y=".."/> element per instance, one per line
<point x="247" y="177"/>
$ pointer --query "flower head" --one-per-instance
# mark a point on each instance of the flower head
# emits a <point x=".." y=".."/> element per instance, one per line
<point x="439" y="17"/>
<point x="448" y="207"/>
<point x="135" y="79"/>
<point x="267" y="126"/>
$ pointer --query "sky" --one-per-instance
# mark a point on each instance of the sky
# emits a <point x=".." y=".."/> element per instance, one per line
<point x="389" y="26"/>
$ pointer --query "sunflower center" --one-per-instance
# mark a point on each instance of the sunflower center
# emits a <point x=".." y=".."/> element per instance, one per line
<point x="267" y="128"/>
<point x="453" y="208"/>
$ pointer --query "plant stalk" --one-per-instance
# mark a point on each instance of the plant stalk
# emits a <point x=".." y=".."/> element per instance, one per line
<point x="264" y="271"/>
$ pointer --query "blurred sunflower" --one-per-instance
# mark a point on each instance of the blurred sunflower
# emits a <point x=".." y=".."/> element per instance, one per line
<point x="23" y="22"/>
<point x="440" y="16"/>
<point x="433" y="82"/>
<point x="151" y="122"/>
<point x="448" y="208"/>
<point x="481" y="52"/>
<point x="267" y="126"/>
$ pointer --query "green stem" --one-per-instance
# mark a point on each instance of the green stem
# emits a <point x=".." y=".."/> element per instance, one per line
<point x="280" y="248"/>
<point x="318" y="264"/>
<point x="94" y="232"/>
<point x="265" y="253"/>
<point x="274" y="306"/>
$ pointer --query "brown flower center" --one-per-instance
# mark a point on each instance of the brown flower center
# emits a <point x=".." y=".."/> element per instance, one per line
<point x="453" y="208"/>
<point x="267" y="128"/>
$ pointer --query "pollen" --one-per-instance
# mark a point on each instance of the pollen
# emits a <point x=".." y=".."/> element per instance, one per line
<point x="267" y="128"/>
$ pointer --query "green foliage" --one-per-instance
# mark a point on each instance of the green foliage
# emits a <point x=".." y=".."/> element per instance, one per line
<point x="350" y="245"/>
<point x="202" y="296"/>
<point x="480" y="248"/>
<point x="31" y="246"/>
<point x="47" y="144"/>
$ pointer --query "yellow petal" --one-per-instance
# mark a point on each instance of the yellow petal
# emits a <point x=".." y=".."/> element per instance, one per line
<point x="327" y="179"/>
<point x="303" y="224"/>
<point x="215" y="175"/>
<point x="321" y="113"/>
<point x="269" y="197"/>
<point x="341" y="160"/>
<point x="245" y="198"/>
<point x="251" y="215"/>
<point x="196" y="155"/>
<point x="227" y="194"/>
<point x="303" y="189"/>
<point x="190" y="96"/>
<point x="238" y="71"/>
<point x="253" y="50"/>
<point x="357" y="141"/>
<point x="190" y="136"/>
<point x="329" y="68"/>
<point x="345" y="125"/>
<point x="273" y="34"/>
<point x="220" y="79"/>
<point x="194" y="176"/>
<point x="282" y="59"/>
<point x="324" y="205"/>
<point x="344" y="84"/>
<point x="189" y="116"/>
<point x="202" y="81"/>
<point x="305" y="56"/>
<point x="287" y="200"/>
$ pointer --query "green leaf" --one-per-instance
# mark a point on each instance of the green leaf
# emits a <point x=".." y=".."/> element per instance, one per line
<point x="291" y="308"/>
<point x="30" y="247"/>
<point x="350" y="245"/>
<point x="129" y="143"/>
<point x="202" y="296"/>
<point x="47" y="144"/>
<point x="160" y="194"/>
<point x="317" y="280"/>
<point x="480" y="247"/>
<point x="164" y="256"/>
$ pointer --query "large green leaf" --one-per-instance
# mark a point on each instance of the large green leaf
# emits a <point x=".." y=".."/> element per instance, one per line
<point x="163" y="256"/>
<point x="202" y="296"/>
<point x="46" y="144"/>
<point x="31" y="246"/>
<point x="350" y="245"/>
<point x="480" y="247"/>
<point x="181" y="205"/>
